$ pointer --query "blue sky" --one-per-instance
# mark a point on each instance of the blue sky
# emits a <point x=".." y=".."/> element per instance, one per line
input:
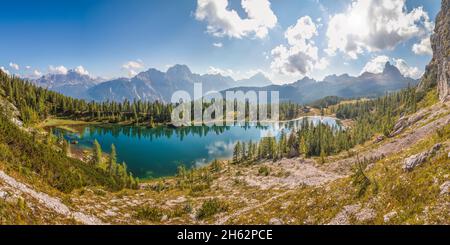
<point x="111" y="38"/>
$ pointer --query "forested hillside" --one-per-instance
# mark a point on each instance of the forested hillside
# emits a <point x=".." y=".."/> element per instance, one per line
<point x="36" y="104"/>
<point x="39" y="155"/>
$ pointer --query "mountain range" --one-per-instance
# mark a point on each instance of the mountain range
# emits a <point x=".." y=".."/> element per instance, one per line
<point x="367" y="84"/>
<point x="152" y="85"/>
<point x="72" y="83"/>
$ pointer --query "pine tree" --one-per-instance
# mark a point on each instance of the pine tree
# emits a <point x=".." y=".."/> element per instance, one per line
<point x="112" y="160"/>
<point x="66" y="147"/>
<point x="97" y="159"/>
<point x="237" y="152"/>
<point x="322" y="156"/>
<point x="243" y="151"/>
<point x="303" y="150"/>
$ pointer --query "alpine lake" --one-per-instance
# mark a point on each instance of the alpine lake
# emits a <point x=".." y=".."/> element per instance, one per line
<point x="157" y="152"/>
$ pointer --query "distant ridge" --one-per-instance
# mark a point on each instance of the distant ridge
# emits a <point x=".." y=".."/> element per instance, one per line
<point x="367" y="84"/>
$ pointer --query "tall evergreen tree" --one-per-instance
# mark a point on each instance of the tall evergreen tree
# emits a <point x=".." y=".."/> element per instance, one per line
<point x="97" y="159"/>
<point x="112" y="160"/>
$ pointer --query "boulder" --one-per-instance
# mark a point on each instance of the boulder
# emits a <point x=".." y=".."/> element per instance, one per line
<point x="379" y="139"/>
<point x="445" y="188"/>
<point x="389" y="216"/>
<point x="275" y="221"/>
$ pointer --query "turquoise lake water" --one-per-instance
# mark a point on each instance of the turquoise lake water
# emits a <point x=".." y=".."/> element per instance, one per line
<point x="157" y="152"/>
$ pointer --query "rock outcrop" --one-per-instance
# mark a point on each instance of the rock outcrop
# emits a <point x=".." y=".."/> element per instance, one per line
<point x="416" y="160"/>
<point x="405" y="122"/>
<point x="438" y="71"/>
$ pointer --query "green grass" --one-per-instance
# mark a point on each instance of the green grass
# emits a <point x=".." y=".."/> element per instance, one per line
<point x="430" y="98"/>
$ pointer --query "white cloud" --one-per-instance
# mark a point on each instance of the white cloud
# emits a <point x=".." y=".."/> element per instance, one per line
<point x="377" y="64"/>
<point x="424" y="47"/>
<point x="301" y="56"/>
<point x="225" y="22"/>
<point x="224" y="72"/>
<point x="14" y="66"/>
<point x="406" y="70"/>
<point x="37" y="73"/>
<point x="237" y="74"/>
<point x="58" y="69"/>
<point x="4" y="70"/>
<point x="374" y="25"/>
<point x="80" y="70"/>
<point x="27" y="67"/>
<point x="132" y="67"/>
<point x="252" y="72"/>
<point x="218" y="45"/>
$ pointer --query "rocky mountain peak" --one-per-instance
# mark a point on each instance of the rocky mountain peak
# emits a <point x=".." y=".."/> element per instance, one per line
<point x="391" y="70"/>
<point x="179" y="71"/>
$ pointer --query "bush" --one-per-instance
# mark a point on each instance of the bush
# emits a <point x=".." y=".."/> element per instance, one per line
<point x="211" y="207"/>
<point x="360" y="180"/>
<point x="154" y="214"/>
<point x="264" y="171"/>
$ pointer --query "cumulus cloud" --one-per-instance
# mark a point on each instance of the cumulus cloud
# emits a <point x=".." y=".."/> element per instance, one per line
<point x="406" y="70"/>
<point x="223" y="21"/>
<point x="58" y="69"/>
<point x="423" y="48"/>
<point x="218" y="45"/>
<point x="27" y="67"/>
<point x="4" y="70"/>
<point x="132" y="67"/>
<point x="14" y="66"/>
<point x="301" y="55"/>
<point x="374" y="25"/>
<point x="80" y="70"/>
<point x="377" y="64"/>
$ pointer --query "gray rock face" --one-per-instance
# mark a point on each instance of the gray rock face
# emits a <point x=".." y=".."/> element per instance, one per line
<point x="443" y="80"/>
<point x="439" y="68"/>
<point x="417" y="160"/>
